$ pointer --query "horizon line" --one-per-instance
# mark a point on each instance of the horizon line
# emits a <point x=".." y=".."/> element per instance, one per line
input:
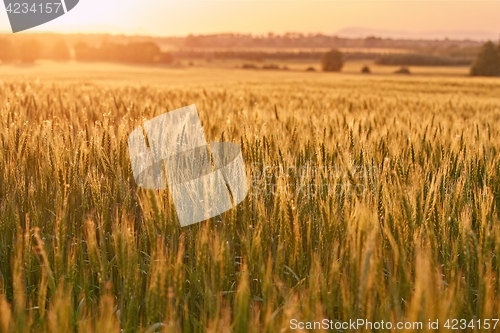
<point x="416" y="37"/>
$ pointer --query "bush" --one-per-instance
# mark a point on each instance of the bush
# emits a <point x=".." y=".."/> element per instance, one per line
<point x="403" y="70"/>
<point x="310" y="69"/>
<point x="249" y="66"/>
<point x="271" y="66"/>
<point x="487" y="62"/>
<point x="366" y="70"/>
<point x="332" y="61"/>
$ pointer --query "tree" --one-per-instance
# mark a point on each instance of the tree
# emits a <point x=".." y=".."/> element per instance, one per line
<point x="166" y="58"/>
<point x="6" y="50"/>
<point x="332" y="61"/>
<point x="193" y="41"/>
<point x="60" y="51"/>
<point x="139" y="53"/>
<point x="113" y="52"/>
<point x="487" y="62"/>
<point x="498" y="50"/>
<point x="84" y="52"/>
<point x="145" y="52"/>
<point x="29" y="51"/>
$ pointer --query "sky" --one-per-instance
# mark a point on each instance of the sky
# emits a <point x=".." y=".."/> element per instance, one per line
<point x="183" y="17"/>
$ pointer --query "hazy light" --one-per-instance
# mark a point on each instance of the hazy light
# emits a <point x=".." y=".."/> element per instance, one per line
<point x="160" y="17"/>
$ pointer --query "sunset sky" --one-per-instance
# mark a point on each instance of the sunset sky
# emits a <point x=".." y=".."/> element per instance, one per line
<point x="182" y="17"/>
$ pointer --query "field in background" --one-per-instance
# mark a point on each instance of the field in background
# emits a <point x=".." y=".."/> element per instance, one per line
<point x="373" y="197"/>
<point x="201" y="71"/>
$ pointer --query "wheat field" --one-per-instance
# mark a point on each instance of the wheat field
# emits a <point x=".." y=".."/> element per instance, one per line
<point x="370" y="197"/>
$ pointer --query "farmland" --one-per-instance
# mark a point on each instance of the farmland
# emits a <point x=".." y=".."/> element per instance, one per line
<point x="371" y="196"/>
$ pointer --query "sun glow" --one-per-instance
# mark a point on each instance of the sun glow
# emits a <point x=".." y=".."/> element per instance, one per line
<point x="158" y="17"/>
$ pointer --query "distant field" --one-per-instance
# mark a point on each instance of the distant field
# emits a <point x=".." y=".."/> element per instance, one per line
<point x="371" y="196"/>
<point x="203" y="71"/>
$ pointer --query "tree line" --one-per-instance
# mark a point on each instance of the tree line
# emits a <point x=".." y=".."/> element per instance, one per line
<point x="487" y="62"/>
<point x="138" y="52"/>
<point x="415" y="59"/>
<point x="27" y="51"/>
